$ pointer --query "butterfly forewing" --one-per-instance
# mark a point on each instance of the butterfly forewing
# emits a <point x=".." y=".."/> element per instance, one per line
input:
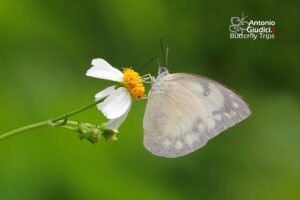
<point x="187" y="112"/>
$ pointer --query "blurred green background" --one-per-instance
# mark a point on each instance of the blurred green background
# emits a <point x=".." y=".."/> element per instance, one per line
<point x="46" y="48"/>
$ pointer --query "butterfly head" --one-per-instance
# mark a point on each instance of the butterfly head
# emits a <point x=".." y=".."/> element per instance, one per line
<point x="163" y="70"/>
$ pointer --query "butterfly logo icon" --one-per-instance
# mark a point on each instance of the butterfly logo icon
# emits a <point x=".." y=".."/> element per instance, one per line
<point x="238" y="25"/>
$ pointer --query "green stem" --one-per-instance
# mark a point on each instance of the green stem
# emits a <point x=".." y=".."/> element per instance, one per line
<point x="76" y="111"/>
<point x="47" y="122"/>
<point x="23" y="129"/>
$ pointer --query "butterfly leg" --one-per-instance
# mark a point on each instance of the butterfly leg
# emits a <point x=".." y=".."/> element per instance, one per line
<point x="148" y="77"/>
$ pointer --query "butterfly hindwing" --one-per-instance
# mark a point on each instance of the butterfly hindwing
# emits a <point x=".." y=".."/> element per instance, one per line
<point x="187" y="112"/>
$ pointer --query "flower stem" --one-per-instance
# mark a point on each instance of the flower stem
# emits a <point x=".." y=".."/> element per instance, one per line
<point x="76" y="111"/>
<point x="47" y="122"/>
<point x="23" y="129"/>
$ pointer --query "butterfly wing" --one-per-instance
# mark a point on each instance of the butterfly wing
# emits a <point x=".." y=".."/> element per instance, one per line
<point x="186" y="112"/>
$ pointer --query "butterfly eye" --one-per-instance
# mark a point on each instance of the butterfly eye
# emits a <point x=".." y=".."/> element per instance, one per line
<point x="162" y="70"/>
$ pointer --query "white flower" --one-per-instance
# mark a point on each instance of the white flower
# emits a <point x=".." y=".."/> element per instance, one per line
<point x="118" y="100"/>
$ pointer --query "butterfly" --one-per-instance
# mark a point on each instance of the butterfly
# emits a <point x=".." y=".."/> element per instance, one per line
<point x="184" y="111"/>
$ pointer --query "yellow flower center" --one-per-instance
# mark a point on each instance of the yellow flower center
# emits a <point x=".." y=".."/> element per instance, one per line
<point x="133" y="83"/>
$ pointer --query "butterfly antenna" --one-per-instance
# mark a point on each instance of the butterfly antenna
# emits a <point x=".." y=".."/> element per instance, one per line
<point x="162" y="50"/>
<point x="158" y="62"/>
<point x="146" y="64"/>
<point x="167" y="56"/>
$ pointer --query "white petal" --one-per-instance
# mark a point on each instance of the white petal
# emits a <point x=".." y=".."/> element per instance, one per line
<point x="104" y="93"/>
<point x="114" y="124"/>
<point x="116" y="104"/>
<point x="102" y="69"/>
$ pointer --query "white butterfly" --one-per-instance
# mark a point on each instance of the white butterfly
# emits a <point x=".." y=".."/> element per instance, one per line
<point x="184" y="111"/>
